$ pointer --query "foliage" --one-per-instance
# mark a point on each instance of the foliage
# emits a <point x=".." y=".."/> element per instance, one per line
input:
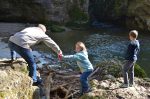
<point x="77" y="16"/>
<point x="139" y="72"/>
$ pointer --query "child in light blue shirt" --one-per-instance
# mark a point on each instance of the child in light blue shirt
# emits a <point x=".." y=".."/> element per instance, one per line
<point x="84" y="64"/>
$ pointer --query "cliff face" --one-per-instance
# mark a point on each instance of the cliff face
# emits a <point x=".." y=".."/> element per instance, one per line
<point x="39" y="10"/>
<point x="132" y="13"/>
<point x="138" y="15"/>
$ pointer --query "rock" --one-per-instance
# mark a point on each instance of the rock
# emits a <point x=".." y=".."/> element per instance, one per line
<point x="133" y="14"/>
<point x="3" y="74"/>
<point x="110" y="90"/>
<point x="39" y="10"/>
<point x="96" y="94"/>
<point x="138" y="15"/>
<point x="109" y="77"/>
<point x="94" y="83"/>
<point x="16" y="84"/>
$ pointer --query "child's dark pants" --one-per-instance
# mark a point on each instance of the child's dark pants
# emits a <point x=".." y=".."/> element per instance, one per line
<point x="128" y="72"/>
<point x="84" y="81"/>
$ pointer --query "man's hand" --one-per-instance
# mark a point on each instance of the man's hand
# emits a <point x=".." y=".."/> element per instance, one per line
<point x="60" y="56"/>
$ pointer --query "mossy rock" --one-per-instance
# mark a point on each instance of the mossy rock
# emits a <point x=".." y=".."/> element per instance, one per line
<point x="112" y="67"/>
<point x="2" y="95"/>
<point x="54" y="27"/>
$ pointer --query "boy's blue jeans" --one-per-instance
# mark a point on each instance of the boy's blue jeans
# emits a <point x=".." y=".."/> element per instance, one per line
<point x="27" y="55"/>
<point x="128" y="72"/>
<point x="84" y="81"/>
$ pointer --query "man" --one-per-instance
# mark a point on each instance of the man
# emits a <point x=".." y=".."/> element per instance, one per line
<point x="21" y="43"/>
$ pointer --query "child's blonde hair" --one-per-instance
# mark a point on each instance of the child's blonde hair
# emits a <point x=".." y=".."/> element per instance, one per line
<point x="134" y="33"/>
<point x="81" y="45"/>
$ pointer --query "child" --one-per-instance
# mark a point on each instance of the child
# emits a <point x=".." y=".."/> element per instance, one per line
<point x="131" y="58"/>
<point x="84" y="64"/>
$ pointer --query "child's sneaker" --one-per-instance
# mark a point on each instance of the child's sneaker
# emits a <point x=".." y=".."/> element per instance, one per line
<point x="124" y="86"/>
<point x="89" y="90"/>
<point x="131" y="85"/>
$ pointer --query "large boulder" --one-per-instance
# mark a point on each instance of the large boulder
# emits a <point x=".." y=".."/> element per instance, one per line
<point x="39" y="10"/>
<point x="134" y="14"/>
<point x="15" y="83"/>
<point x="138" y="15"/>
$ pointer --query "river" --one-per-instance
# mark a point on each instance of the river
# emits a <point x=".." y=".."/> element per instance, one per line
<point x="102" y="44"/>
<point x="105" y="43"/>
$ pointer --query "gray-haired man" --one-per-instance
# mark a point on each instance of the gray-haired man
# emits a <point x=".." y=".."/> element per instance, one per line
<point x="22" y="41"/>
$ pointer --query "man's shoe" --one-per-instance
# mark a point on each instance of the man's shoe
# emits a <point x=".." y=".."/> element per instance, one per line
<point x="35" y="84"/>
<point x="39" y="82"/>
<point x="124" y="86"/>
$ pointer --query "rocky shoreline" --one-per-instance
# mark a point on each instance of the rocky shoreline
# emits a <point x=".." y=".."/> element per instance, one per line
<point x="61" y="83"/>
<point x="60" y="79"/>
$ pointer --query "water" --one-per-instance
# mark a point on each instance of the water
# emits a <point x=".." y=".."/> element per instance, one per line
<point x="103" y="44"/>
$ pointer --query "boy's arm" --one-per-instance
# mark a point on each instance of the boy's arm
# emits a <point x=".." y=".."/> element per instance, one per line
<point x="137" y="49"/>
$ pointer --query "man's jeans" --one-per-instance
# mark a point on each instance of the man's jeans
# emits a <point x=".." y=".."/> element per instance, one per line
<point x="27" y="55"/>
<point x="84" y="81"/>
<point x="128" y="70"/>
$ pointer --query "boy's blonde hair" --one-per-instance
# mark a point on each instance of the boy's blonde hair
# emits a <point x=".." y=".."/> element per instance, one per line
<point x="134" y="33"/>
<point x="81" y="45"/>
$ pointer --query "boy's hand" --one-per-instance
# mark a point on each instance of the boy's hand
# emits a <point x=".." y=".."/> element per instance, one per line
<point x="60" y="56"/>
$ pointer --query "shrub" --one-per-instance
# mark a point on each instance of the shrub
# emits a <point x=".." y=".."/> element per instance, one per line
<point x="139" y="72"/>
<point x="77" y="15"/>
